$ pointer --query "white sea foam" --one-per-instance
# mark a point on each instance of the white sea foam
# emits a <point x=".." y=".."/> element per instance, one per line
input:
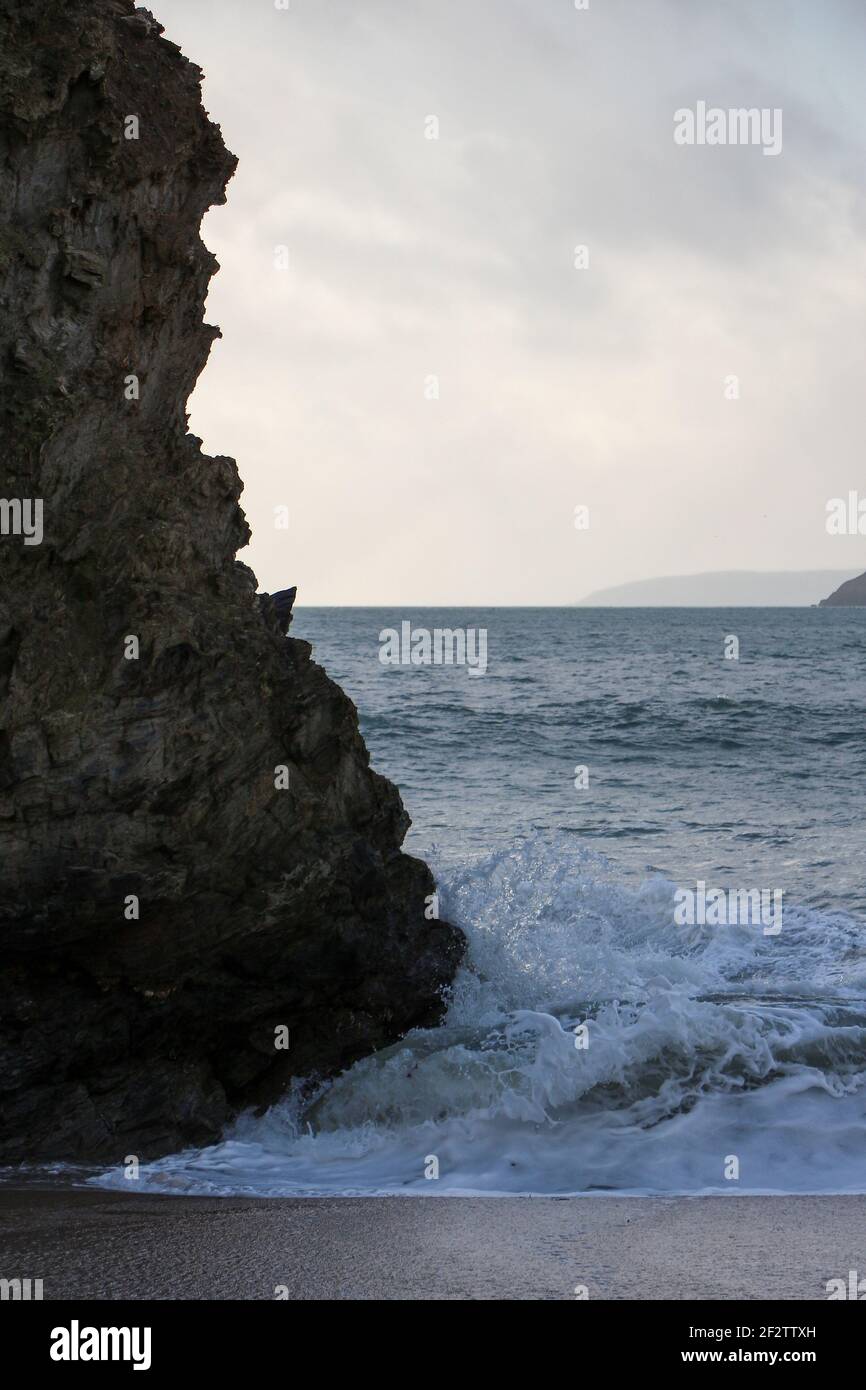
<point x="704" y="1043"/>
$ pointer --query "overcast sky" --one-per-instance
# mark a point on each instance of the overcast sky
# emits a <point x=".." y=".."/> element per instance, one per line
<point x="412" y="258"/>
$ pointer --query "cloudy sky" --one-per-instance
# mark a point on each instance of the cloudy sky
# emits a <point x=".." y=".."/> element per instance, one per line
<point x="412" y="258"/>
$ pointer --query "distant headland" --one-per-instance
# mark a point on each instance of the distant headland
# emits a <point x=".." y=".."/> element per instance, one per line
<point x="734" y="589"/>
<point x="851" y="594"/>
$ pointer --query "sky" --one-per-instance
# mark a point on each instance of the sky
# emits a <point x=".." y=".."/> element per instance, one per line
<point x="433" y="386"/>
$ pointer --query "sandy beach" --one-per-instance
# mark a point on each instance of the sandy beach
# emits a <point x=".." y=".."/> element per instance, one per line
<point x="90" y="1245"/>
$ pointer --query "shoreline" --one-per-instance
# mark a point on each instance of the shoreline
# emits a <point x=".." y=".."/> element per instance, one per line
<point x="114" y="1245"/>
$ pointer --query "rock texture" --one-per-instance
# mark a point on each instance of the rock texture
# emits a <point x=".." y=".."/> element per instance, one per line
<point x="152" y="777"/>
<point x="851" y="594"/>
<point x="280" y="605"/>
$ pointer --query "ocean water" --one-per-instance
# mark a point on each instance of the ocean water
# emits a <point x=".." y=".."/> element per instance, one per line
<point x="592" y="1044"/>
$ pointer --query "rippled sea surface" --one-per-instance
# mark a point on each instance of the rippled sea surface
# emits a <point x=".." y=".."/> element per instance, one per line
<point x="591" y="1044"/>
<point x="698" y="766"/>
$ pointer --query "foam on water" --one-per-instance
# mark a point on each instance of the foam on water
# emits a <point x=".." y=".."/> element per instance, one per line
<point x="704" y="1043"/>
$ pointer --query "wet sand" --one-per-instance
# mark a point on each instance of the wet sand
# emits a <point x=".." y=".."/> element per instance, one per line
<point x="90" y="1245"/>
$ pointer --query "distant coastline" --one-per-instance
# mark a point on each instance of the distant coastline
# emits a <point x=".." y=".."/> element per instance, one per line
<point x="850" y="594"/>
<point x="723" y="589"/>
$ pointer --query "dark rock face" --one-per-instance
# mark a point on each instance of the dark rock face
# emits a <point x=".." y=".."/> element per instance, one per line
<point x="851" y="594"/>
<point x="193" y="849"/>
<point x="281" y="604"/>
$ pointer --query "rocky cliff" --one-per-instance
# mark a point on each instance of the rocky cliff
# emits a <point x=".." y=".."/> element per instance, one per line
<point x="851" y="594"/>
<point x="194" y="852"/>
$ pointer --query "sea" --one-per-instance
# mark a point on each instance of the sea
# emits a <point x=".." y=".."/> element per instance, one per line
<point x="609" y="772"/>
